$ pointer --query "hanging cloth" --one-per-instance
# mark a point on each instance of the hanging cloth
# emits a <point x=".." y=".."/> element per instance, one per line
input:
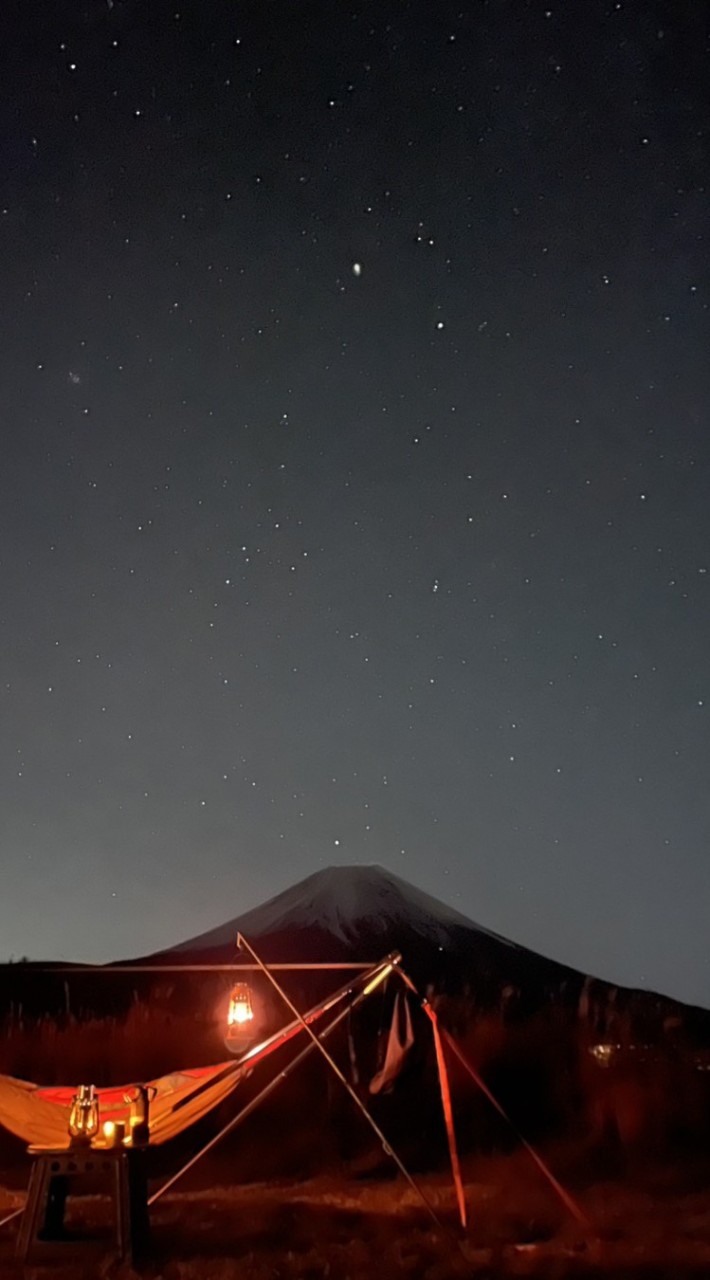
<point x="399" y="1041"/>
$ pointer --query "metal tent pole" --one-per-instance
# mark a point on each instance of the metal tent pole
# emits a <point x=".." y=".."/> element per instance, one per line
<point x="91" y="971"/>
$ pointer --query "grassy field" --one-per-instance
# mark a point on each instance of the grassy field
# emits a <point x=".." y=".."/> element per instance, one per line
<point x="652" y="1223"/>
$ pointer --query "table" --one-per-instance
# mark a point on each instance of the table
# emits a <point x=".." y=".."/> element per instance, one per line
<point x="58" y="1173"/>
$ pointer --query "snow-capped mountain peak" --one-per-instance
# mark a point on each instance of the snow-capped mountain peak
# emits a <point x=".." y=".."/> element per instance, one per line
<point x="342" y="902"/>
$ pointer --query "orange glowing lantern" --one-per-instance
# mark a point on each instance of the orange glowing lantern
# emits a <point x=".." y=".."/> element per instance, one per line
<point x="241" y="1012"/>
<point x="84" y="1116"/>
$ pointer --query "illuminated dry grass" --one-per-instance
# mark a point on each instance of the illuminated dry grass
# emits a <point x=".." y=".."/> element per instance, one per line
<point x="646" y="1225"/>
<point x="652" y="1225"/>
<point x="143" y="1043"/>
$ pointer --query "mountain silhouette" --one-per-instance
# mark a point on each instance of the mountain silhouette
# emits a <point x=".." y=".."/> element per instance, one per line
<point x="362" y="913"/>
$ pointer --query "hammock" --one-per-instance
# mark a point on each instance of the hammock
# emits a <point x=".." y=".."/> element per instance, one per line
<point x="40" y="1115"/>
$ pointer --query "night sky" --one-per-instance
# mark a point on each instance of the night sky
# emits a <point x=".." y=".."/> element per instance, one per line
<point x="355" y="491"/>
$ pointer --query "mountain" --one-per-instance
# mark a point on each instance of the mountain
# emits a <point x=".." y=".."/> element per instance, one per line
<point x="362" y="913"/>
<point x="342" y="901"/>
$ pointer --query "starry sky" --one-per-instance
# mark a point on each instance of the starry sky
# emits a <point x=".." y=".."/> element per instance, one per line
<point x="354" y="498"/>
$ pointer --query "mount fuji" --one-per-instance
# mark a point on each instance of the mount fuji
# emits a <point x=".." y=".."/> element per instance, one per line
<point x="361" y="913"/>
<point x="340" y="901"/>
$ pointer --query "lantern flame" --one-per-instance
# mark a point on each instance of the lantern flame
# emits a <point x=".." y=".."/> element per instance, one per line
<point x="240" y="1006"/>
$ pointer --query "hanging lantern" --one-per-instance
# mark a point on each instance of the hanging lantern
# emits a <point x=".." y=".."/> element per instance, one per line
<point x="84" y="1115"/>
<point x="241" y="1013"/>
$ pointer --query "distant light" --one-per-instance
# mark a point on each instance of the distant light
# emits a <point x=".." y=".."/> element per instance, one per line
<point x="603" y="1053"/>
<point x="357" y="268"/>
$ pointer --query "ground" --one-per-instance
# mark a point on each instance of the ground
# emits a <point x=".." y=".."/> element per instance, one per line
<point x="652" y="1223"/>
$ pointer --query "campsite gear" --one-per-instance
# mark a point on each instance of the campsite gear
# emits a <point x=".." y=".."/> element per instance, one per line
<point x="399" y="1042"/>
<point x="84" y="1116"/>
<point x="240" y="1019"/>
<point x="445" y="1090"/>
<point x="240" y="1006"/>
<point x="39" y="1115"/>
<point x="182" y="1098"/>
<point x="43" y="1238"/>
<point x="372" y="984"/>
<point x="111" y="1136"/>
<point x="445" y="1036"/>
<point x="272" y="1084"/>
<point x="138" y="1122"/>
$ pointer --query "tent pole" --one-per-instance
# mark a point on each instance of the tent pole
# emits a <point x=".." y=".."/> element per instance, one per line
<point x="15" y="1214"/>
<point x="255" y="1102"/>
<point x="448" y="1114"/>
<point x="242" y="942"/>
<point x="568" y="1201"/>
<point x="95" y="971"/>
<point x="445" y="1090"/>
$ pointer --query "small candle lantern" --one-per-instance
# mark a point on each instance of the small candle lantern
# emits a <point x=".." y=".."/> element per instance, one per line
<point x="84" y="1116"/>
